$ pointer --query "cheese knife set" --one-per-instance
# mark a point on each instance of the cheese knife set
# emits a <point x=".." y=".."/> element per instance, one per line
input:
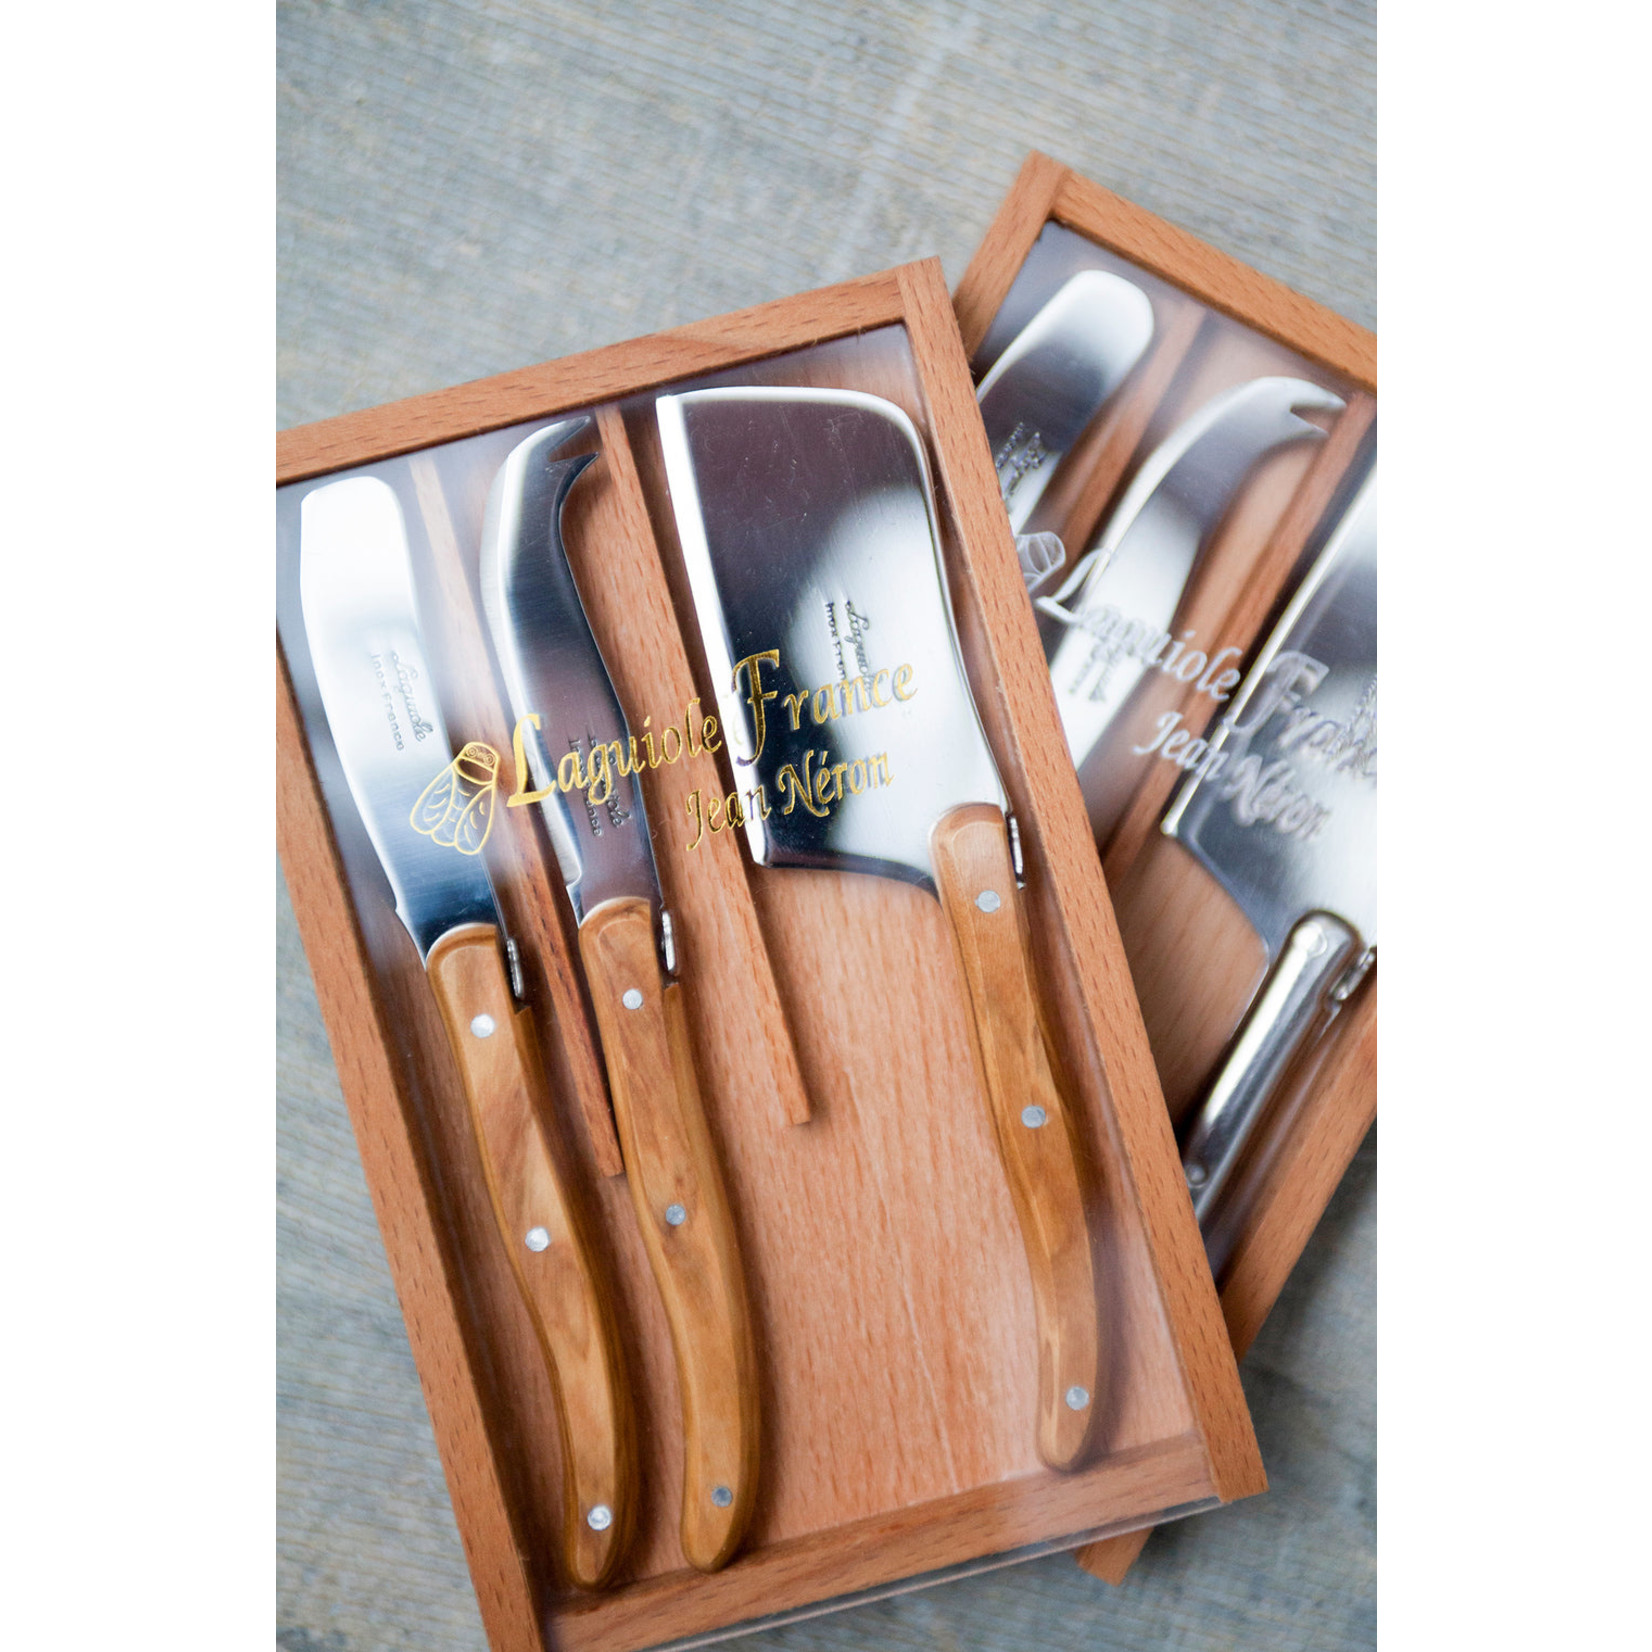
<point x="694" y="760"/>
<point x="1200" y="526"/>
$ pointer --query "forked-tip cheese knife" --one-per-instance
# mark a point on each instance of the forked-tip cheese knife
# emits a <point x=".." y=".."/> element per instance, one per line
<point x="420" y="810"/>
<point x="1115" y="609"/>
<point x="567" y="711"/>
<point x="1054" y="377"/>
<point x="808" y="527"/>
<point x="1283" y="812"/>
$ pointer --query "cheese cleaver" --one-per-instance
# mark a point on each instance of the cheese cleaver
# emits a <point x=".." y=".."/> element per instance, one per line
<point x="1282" y="810"/>
<point x="423" y="812"/>
<point x="565" y="707"/>
<point x="1052" y="379"/>
<point x="809" y="533"/>
<point x="1115" y="610"/>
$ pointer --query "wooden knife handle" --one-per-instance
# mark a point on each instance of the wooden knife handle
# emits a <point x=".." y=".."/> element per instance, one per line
<point x="975" y="877"/>
<point x="504" y="1082"/>
<point x="683" y="1209"/>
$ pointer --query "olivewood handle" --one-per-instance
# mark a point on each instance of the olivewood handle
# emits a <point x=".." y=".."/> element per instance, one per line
<point x="973" y="872"/>
<point x="687" y="1226"/>
<point x="504" y="1083"/>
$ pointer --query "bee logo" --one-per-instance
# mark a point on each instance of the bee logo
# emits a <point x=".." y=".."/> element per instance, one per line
<point x="456" y="808"/>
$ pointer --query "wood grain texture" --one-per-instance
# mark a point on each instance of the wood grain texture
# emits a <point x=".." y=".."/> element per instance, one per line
<point x="1031" y="1119"/>
<point x="1218" y="280"/>
<point x="1245" y="596"/>
<point x="427" y="1273"/>
<point x="1078" y="496"/>
<point x="1323" y="1116"/>
<point x="611" y="544"/>
<point x="539" y="912"/>
<point x="897" y="1369"/>
<point x="585" y="379"/>
<point x="1001" y="642"/>
<point x="882" y="1549"/>
<point x="1194" y="959"/>
<point x="683" y="1211"/>
<point x="1329" y="1107"/>
<point x="1003" y="249"/>
<point x="498" y="1058"/>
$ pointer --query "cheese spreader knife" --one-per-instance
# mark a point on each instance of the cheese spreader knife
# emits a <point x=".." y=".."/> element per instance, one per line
<point x="1052" y="379"/>
<point x="808" y="528"/>
<point x="565" y="707"/>
<point x="361" y="620"/>
<point x="1283" y="812"/>
<point x="1115" y="609"/>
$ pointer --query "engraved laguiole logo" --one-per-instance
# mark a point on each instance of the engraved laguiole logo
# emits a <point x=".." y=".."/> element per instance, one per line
<point x="456" y="808"/>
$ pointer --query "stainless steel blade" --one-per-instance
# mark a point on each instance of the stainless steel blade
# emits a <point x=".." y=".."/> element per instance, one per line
<point x="361" y="620"/>
<point x="1115" y="609"/>
<point x="1282" y="809"/>
<point x="1054" y="376"/>
<point x="553" y="667"/>
<point x="808" y="526"/>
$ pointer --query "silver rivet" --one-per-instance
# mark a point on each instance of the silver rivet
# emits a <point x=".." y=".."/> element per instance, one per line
<point x="600" y="1518"/>
<point x="1077" y="1398"/>
<point x="536" y="1239"/>
<point x="1033" y="1117"/>
<point x="1195" y="1175"/>
<point x="631" y="998"/>
<point x="482" y="1026"/>
<point x="721" y="1496"/>
<point x="1314" y="942"/>
<point x="676" y="1215"/>
<point x="988" y="900"/>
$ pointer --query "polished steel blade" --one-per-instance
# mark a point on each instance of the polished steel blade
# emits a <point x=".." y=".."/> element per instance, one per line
<point x="1114" y="610"/>
<point x="553" y="667"/>
<point x="361" y="620"/>
<point x="1054" y="376"/>
<point x="1283" y="808"/>
<point x="808" y="527"/>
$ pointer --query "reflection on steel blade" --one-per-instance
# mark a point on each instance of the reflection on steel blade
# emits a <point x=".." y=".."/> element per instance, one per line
<point x="356" y="587"/>
<point x="808" y="527"/>
<point x="1116" y="608"/>
<point x="1282" y="805"/>
<point x="1053" y="378"/>
<point x="553" y="668"/>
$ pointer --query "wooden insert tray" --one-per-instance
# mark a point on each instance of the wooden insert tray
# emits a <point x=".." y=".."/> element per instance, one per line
<point x="1194" y="959"/>
<point x="896" y="1338"/>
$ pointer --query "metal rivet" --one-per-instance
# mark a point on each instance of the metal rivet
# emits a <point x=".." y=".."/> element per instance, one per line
<point x="721" y="1496"/>
<point x="1195" y="1175"/>
<point x="1033" y="1117"/>
<point x="600" y="1518"/>
<point x="1077" y="1398"/>
<point x="676" y="1215"/>
<point x="1313" y="940"/>
<point x="988" y="900"/>
<point x="631" y="998"/>
<point x="483" y="1026"/>
<point x="536" y="1239"/>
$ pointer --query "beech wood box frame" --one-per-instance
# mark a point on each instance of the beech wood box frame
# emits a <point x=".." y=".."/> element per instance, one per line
<point x="1193" y="958"/>
<point x="898" y="1449"/>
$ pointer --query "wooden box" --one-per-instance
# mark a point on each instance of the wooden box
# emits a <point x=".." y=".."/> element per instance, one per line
<point x="1194" y="959"/>
<point x="895" y="1331"/>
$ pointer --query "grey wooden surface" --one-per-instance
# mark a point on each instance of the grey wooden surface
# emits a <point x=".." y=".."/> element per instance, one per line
<point x="470" y="187"/>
